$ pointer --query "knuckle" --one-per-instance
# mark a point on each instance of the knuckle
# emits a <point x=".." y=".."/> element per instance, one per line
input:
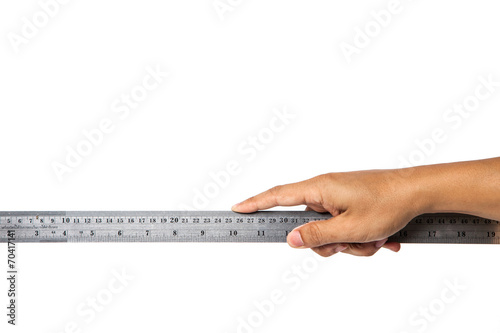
<point x="353" y="233"/>
<point x="325" y="250"/>
<point x="360" y="233"/>
<point x="363" y="237"/>
<point x="276" y="190"/>
<point x="324" y="254"/>
<point x="313" y="234"/>
<point x="324" y="176"/>
<point x="363" y="250"/>
<point x="318" y="178"/>
<point x="368" y="252"/>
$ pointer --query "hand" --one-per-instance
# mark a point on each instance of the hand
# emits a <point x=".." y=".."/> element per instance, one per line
<point x="367" y="207"/>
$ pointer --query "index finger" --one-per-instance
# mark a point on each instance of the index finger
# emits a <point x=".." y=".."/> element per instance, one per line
<point x="282" y="195"/>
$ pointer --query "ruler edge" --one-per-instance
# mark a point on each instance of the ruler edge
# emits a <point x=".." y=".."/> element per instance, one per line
<point x="180" y="213"/>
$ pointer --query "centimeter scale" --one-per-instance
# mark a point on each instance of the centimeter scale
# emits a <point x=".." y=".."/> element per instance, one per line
<point x="219" y="226"/>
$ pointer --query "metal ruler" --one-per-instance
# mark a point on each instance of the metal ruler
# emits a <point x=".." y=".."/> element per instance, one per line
<point x="219" y="226"/>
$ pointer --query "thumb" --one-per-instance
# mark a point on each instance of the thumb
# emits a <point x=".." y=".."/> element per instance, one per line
<point x="338" y="229"/>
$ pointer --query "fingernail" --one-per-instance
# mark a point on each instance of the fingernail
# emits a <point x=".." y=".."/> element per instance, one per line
<point x="380" y="242"/>
<point x="294" y="239"/>
<point x="340" y="248"/>
<point x="235" y="206"/>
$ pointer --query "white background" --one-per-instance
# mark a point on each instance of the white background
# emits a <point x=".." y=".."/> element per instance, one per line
<point x="226" y="75"/>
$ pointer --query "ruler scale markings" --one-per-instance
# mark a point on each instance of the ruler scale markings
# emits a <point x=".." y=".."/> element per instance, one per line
<point x="221" y="226"/>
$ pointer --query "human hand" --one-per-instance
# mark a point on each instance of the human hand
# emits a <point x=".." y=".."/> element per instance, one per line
<point x="367" y="207"/>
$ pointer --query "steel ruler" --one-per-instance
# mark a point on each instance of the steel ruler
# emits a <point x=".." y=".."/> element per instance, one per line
<point x="219" y="226"/>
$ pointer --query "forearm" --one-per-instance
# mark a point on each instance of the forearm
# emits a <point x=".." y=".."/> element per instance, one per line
<point x="471" y="187"/>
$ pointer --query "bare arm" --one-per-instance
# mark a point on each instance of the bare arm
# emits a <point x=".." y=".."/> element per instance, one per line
<point x="471" y="187"/>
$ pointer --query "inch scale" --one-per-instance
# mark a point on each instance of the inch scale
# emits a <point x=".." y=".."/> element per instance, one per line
<point x="220" y="226"/>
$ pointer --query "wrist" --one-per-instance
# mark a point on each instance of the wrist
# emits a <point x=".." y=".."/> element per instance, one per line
<point x="421" y="190"/>
<point x="449" y="187"/>
<point x="470" y="187"/>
